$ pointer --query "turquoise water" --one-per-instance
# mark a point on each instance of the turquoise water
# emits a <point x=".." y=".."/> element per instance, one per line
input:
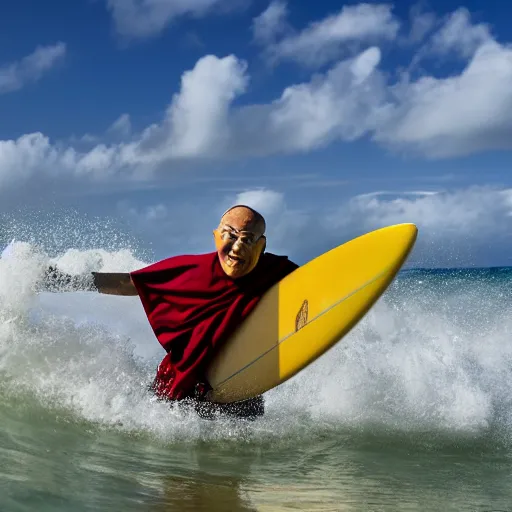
<point x="411" y="411"/>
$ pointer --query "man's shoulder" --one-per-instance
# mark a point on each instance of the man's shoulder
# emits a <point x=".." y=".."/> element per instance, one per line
<point x="278" y="260"/>
<point x="271" y="257"/>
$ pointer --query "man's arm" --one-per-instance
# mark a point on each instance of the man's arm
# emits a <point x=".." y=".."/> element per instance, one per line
<point x="102" y="282"/>
<point x="114" y="283"/>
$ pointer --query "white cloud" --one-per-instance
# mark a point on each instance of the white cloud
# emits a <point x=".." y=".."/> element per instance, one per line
<point x="198" y="115"/>
<point x="158" y="221"/>
<point x="456" y="227"/>
<point x="31" y="68"/>
<point x="200" y="123"/>
<point x="327" y="39"/>
<point x="457" y="115"/>
<point x="33" y="155"/>
<point x="146" y="18"/>
<point x="342" y="104"/>
<point x="455" y="213"/>
<point x="193" y="126"/>
<point x="421" y="23"/>
<point x="470" y="226"/>
<point x="285" y="226"/>
<point x="19" y="158"/>
<point x="438" y="117"/>
<point x="121" y="127"/>
<point x="271" y="23"/>
<point x="267" y="202"/>
<point x="459" y="35"/>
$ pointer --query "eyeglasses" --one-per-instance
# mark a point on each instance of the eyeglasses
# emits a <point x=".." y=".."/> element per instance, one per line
<point x="245" y="237"/>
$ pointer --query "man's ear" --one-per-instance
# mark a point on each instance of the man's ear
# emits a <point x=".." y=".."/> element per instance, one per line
<point x="216" y="238"/>
<point x="262" y="243"/>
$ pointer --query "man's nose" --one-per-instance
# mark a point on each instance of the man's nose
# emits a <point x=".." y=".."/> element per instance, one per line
<point x="237" y="244"/>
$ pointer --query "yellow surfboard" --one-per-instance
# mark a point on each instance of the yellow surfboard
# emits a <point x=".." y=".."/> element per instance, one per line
<point x="307" y="312"/>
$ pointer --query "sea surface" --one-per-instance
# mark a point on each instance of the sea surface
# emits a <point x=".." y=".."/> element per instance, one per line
<point x="412" y="411"/>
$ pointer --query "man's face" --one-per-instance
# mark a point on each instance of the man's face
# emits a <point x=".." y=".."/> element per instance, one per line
<point x="239" y="241"/>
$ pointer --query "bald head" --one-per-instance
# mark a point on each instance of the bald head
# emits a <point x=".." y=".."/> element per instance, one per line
<point x="244" y="218"/>
<point x="240" y="240"/>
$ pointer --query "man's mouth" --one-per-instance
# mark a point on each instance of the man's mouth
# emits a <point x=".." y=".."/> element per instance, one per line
<point x="233" y="259"/>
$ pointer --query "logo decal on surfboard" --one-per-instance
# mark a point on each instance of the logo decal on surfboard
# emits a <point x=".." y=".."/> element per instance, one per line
<point x="302" y="316"/>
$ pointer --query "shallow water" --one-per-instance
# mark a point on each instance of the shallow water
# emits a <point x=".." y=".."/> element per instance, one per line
<point x="411" y="411"/>
<point x="53" y="462"/>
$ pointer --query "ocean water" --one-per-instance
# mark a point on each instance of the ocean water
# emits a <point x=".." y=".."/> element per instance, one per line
<point x="411" y="411"/>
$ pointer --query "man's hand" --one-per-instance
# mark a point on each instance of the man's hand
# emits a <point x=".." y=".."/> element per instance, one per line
<point x="103" y="282"/>
<point x="57" y="281"/>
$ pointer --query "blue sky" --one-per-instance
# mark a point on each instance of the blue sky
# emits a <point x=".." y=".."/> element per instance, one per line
<point x="331" y="118"/>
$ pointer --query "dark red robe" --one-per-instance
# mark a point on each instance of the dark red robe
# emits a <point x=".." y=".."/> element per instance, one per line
<point x="193" y="306"/>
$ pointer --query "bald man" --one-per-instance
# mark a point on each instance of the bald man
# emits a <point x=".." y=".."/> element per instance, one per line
<point x="195" y="302"/>
<point x="240" y="241"/>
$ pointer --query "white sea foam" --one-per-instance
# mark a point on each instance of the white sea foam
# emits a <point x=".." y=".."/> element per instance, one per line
<point x="419" y="360"/>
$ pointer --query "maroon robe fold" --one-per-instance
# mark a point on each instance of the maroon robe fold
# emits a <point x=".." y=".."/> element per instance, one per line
<point x="193" y="306"/>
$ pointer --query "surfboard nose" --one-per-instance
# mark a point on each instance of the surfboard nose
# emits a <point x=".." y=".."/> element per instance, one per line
<point x="405" y="233"/>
